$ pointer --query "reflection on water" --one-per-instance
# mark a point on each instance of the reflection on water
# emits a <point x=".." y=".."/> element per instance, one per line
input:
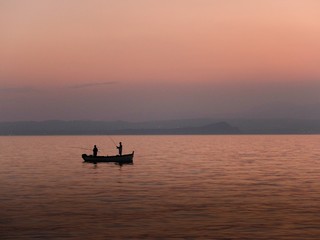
<point x="115" y="163"/>
<point x="209" y="187"/>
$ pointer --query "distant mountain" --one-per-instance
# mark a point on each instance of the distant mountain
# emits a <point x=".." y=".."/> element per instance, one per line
<point x="215" y="128"/>
<point x="184" y="126"/>
<point x="105" y="128"/>
<point x="277" y="126"/>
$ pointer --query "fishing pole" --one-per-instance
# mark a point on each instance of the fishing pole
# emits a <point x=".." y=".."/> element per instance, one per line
<point x="112" y="141"/>
<point x="87" y="149"/>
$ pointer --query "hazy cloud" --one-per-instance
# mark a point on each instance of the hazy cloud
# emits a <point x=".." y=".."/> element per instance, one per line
<point x="17" y="89"/>
<point x="160" y="101"/>
<point x="86" y="85"/>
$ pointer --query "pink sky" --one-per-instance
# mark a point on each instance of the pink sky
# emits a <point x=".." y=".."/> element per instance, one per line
<point x="122" y="44"/>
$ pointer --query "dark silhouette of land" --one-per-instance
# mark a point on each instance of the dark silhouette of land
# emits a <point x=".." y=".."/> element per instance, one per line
<point x="109" y="128"/>
<point x="185" y="126"/>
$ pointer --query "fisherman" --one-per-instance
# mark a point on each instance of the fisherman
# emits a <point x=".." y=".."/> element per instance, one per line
<point x="95" y="151"/>
<point x="120" y="148"/>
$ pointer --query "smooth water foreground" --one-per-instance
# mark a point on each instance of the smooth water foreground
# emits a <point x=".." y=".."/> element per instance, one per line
<point x="194" y="187"/>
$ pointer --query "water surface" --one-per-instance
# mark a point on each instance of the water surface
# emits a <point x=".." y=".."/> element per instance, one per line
<point x="194" y="187"/>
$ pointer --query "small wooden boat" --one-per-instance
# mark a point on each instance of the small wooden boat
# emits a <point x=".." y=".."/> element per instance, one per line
<point x="127" y="158"/>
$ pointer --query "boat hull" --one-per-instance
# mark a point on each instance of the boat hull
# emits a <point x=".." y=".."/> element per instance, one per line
<point x="127" y="158"/>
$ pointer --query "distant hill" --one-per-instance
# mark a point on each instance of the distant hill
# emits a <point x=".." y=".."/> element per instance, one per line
<point x="215" y="128"/>
<point x="277" y="126"/>
<point x="184" y="126"/>
<point x="108" y="128"/>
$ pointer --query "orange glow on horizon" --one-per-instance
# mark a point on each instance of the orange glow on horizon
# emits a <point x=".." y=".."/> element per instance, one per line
<point x="49" y="41"/>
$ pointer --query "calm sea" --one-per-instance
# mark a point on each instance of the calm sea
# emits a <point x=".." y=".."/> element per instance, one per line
<point x="188" y="187"/>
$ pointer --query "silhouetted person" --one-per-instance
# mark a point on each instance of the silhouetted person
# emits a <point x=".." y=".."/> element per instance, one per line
<point x="120" y="148"/>
<point x="95" y="151"/>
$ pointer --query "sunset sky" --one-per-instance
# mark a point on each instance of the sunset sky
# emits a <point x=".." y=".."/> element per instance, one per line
<point x="150" y="60"/>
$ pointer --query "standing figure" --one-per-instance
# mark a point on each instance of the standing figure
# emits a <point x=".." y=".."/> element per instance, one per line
<point x="120" y="148"/>
<point x="95" y="151"/>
